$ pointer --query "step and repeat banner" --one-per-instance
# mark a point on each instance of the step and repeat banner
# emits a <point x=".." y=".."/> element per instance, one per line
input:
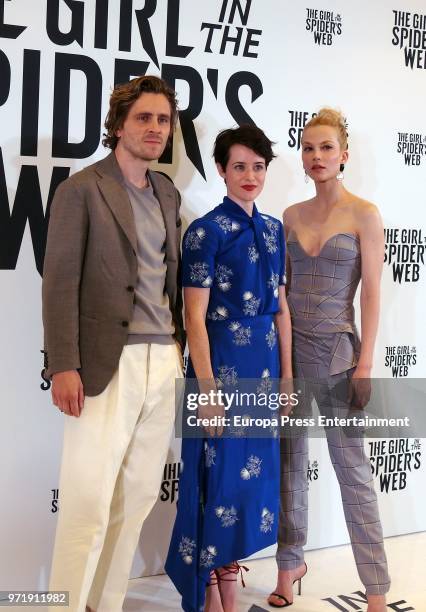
<point x="271" y="62"/>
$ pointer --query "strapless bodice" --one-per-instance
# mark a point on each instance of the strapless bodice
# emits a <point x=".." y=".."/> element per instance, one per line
<point x="322" y="290"/>
<point x="323" y="287"/>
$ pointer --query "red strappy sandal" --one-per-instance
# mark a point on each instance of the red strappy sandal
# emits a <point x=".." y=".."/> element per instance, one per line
<point x="231" y="572"/>
<point x="214" y="579"/>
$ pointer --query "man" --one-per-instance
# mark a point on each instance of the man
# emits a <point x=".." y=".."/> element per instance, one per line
<point x="112" y="312"/>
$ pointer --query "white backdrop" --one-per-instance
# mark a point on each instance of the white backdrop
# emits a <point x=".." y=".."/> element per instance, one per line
<point x="359" y="68"/>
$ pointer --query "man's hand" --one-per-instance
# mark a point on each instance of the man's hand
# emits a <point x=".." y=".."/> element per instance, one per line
<point x="67" y="392"/>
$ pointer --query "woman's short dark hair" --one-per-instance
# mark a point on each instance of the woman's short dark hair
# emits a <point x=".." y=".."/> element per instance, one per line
<point x="124" y="95"/>
<point x="248" y="135"/>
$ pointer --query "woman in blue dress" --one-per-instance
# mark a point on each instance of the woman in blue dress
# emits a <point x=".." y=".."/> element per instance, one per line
<point x="238" y="326"/>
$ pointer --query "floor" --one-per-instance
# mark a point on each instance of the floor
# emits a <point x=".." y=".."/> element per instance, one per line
<point x="330" y="581"/>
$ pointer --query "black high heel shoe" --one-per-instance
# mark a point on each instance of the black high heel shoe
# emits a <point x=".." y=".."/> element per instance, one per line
<point x="286" y="602"/>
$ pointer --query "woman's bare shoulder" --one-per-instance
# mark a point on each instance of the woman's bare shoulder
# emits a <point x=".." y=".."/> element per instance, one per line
<point x="367" y="217"/>
<point x="365" y="210"/>
<point x="292" y="213"/>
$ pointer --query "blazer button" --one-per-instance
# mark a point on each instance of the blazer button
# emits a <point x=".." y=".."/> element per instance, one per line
<point x="125" y="323"/>
<point x="130" y="288"/>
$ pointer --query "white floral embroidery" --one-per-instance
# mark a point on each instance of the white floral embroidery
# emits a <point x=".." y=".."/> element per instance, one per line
<point x="271" y="336"/>
<point x="267" y="521"/>
<point x="194" y="238"/>
<point x="210" y="455"/>
<point x="241" y="334"/>
<point x="199" y="273"/>
<point x="238" y="431"/>
<point x="253" y="253"/>
<point x="252" y="468"/>
<point x="186" y="549"/>
<point x="253" y="465"/>
<point x="273" y="283"/>
<point x="219" y="314"/>
<point x="222" y="275"/>
<point x="226" y="224"/>
<point x="250" y="304"/>
<point x="271" y="238"/>
<point x="228" y="516"/>
<point x="284" y="279"/>
<point x="270" y="242"/>
<point x="265" y="385"/>
<point x="272" y="225"/>
<point x="227" y="376"/>
<point x="207" y="556"/>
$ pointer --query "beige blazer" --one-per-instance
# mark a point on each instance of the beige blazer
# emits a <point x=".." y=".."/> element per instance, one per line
<point x="90" y="271"/>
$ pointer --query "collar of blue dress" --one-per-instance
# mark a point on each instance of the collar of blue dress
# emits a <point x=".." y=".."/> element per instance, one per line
<point x="236" y="210"/>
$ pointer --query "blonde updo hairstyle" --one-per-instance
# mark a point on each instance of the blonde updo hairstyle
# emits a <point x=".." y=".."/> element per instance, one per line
<point x="333" y="118"/>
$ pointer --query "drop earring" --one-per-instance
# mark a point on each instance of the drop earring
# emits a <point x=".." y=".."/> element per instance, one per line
<point x="341" y="174"/>
<point x="306" y="177"/>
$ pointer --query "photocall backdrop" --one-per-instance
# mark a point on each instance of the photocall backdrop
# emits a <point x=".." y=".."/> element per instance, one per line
<point x="231" y="61"/>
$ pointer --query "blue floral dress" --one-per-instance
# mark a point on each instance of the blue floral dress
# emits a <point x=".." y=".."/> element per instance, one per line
<point x="229" y="487"/>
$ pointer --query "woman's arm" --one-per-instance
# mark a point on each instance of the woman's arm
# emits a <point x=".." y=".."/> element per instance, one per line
<point x="287" y="227"/>
<point x="372" y="254"/>
<point x="283" y="323"/>
<point x="283" y="320"/>
<point x="196" y="302"/>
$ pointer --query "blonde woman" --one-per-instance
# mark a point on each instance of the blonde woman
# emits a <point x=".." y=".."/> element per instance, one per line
<point x="334" y="241"/>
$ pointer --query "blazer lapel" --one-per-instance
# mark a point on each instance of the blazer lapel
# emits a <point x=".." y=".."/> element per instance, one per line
<point x="111" y="186"/>
<point x="166" y="197"/>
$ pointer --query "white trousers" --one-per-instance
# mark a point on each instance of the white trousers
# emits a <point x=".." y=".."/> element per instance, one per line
<point x="112" y="464"/>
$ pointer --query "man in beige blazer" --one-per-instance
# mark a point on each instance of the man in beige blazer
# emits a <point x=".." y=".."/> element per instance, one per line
<point x="113" y="337"/>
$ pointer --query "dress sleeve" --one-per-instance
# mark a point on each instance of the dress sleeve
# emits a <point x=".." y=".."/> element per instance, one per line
<point x="283" y="278"/>
<point x="200" y="246"/>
